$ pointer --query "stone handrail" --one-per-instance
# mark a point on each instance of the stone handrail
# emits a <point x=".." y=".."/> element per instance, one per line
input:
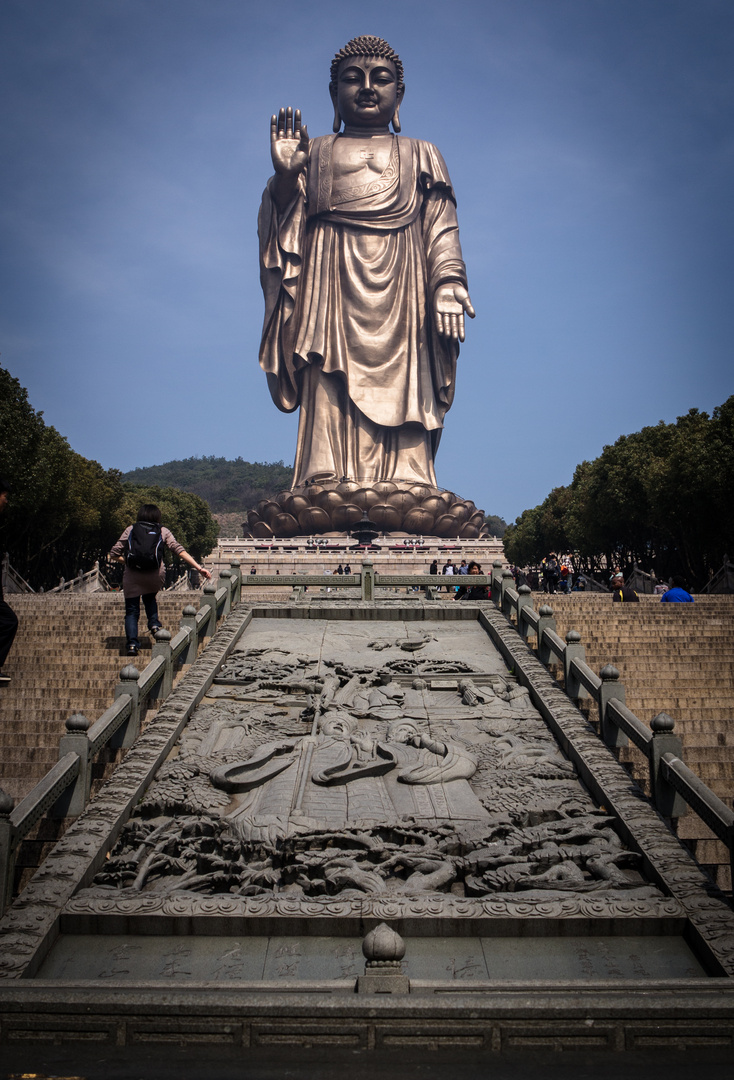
<point x="723" y="579"/>
<point x="45" y="794"/>
<point x="715" y="813"/>
<point x="101" y="731"/>
<point x="65" y="790"/>
<point x="641" y="581"/>
<point x="12" y="582"/>
<point x="674" y="787"/>
<point x="90" y="581"/>
<point x="181" y="584"/>
<point x="366" y="581"/>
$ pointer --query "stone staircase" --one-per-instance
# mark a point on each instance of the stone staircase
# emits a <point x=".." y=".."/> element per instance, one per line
<point x="66" y="658"/>
<point x="673" y="658"/>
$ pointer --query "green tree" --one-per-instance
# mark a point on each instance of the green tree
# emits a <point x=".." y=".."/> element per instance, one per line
<point x="662" y="497"/>
<point x="226" y="485"/>
<point x="66" y="511"/>
<point x="62" y="506"/>
<point x="497" y="525"/>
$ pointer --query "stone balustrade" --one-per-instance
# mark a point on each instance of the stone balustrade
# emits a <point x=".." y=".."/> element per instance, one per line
<point x="674" y="787"/>
<point x="65" y="790"/>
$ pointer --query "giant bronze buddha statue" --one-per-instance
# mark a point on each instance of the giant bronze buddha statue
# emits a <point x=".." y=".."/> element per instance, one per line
<point x="365" y="290"/>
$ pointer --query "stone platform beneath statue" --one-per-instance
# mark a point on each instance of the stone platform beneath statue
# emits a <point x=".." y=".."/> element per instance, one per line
<point x="323" y="769"/>
<point x="396" y="554"/>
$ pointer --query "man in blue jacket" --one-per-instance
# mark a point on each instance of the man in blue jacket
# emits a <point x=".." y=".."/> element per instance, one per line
<point x="678" y="594"/>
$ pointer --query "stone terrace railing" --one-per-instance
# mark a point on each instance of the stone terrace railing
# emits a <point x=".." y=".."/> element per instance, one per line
<point x="674" y="787"/>
<point x="90" y="581"/>
<point x="722" y="581"/>
<point x="12" y="580"/>
<point x="367" y="581"/>
<point x="65" y="790"/>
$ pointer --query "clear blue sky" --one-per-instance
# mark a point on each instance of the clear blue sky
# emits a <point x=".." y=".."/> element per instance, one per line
<point x="590" y="143"/>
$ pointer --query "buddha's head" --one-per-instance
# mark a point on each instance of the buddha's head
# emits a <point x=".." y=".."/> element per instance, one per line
<point x="367" y="86"/>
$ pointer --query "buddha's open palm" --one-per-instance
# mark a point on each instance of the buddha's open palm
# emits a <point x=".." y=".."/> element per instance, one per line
<point x="288" y="142"/>
<point x="450" y="301"/>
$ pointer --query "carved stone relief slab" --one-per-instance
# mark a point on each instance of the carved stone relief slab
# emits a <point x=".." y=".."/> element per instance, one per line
<point x="260" y="803"/>
<point x="367" y="759"/>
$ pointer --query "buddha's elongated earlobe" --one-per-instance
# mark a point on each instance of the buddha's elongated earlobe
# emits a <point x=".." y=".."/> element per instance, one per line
<point x="336" y="126"/>
<point x="396" y="120"/>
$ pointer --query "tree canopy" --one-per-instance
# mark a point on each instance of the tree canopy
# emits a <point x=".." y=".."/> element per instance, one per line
<point x="66" y="511"/>
<point x="662" y="498"/>
<point x="497" y="525"/>
<point x="226" y="485"/>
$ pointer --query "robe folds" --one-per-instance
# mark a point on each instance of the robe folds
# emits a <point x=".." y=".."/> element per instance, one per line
<point x="348" y="274"/>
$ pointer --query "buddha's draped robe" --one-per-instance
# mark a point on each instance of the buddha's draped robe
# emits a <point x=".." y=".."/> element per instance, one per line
<point x="349" y="274"/>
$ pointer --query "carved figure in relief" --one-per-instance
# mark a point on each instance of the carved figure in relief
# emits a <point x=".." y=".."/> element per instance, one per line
<point x="432" y="777"/>
<point x="408" y="775"/>
<point x="364" y="281"/>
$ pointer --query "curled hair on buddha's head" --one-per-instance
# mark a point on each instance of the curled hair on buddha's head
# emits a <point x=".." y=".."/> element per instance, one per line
<point x="367" y="45"/>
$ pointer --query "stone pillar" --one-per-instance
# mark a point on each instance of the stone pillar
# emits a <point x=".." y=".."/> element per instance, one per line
<point x="368" y="581"/>
<point x="545" y="622"/>
<point x="225" y="582"/>
<point x="7" y="850"/>
<point x="496" y="586"/>
<point x="162" y="648"/>
<point x="507" y="582"/>
<point x="76" y="741"/>
<point x="128" y="684"/>
<point x="209" y="600"/>
<point x="524" y="600"/>
<point x="574" y="651"/>
<point x="668" y="801"/>
<point x="236" y="570"/>
<point x="611" y="688"/>
<point x="188" y="621"/>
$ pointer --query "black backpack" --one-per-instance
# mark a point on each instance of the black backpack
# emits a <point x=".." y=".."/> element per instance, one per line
<point x="144" y="546"/>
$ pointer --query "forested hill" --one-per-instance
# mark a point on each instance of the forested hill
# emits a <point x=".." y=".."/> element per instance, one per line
<point x="227" y="486"/>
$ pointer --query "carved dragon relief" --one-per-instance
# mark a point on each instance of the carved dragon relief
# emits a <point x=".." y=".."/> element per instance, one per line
<point x="410" y="777"/>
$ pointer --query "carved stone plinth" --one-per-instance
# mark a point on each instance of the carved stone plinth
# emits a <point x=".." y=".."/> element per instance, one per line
<point x="337" y="507"/>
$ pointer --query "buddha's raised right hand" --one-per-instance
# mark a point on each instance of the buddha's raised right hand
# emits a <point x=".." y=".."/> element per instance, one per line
<point x="288" y="143"/>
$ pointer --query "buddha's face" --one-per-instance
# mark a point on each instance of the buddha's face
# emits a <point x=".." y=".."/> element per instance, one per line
<point x="367" y="92"/>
